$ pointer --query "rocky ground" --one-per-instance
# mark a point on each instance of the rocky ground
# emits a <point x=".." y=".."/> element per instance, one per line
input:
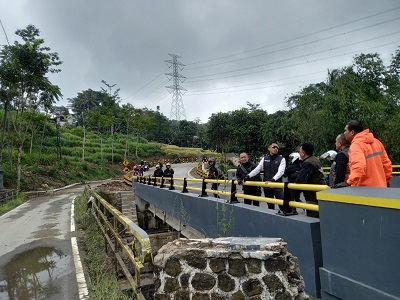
<point x="115" y="185"/>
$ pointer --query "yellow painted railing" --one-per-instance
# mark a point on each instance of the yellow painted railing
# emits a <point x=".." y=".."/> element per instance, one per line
<point x="228" y="188"/>
<point x="111" y="221"/>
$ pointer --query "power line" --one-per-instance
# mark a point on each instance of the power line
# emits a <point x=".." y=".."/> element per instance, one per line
<point x="155" y="89"/>
<point x="298" y="45"/>
<point x="259" y="88"/>
<point x="135" y="92"/>
<point x="256" y="83"/>
<point x="196" y="93"/>
<point x="292" y="58"/>
<point x="5" y="33"/>
<point x="299" y="37"/>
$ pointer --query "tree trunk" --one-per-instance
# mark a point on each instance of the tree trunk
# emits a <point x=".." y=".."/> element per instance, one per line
<point x="83" y="144"/>
<point x="126" y="142"/>
<point x="41" y="144"/>
<point x="19" y="167"/>
<point x="101" y="147"/>
<point x="31" y="145"/>
<point x="112" y="143"/>
<point x="137" y="144"/>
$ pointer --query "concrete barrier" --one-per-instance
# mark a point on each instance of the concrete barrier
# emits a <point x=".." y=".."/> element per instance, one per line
<point x="360" y="235"/>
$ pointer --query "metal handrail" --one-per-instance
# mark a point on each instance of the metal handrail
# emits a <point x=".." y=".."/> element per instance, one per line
<point x="234" y="194"/>
<point x="140" y="251"/>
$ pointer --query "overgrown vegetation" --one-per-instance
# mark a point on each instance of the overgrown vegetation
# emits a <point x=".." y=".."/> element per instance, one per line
<point x="9" y="205"/>
<point x="99" y="266"/>
<point x="43" y="168"/>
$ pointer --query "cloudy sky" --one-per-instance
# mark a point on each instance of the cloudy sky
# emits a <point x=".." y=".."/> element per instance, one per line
<point x="236" y="51"/>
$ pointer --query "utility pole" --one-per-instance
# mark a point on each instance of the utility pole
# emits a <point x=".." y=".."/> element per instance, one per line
<point x="177" y="108"/>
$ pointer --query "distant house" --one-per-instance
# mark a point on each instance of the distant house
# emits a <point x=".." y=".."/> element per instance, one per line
<point x="63" y="120"/>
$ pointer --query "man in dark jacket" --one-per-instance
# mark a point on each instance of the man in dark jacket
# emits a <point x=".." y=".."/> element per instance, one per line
<point x="291" y="173"/>
<point x="242" y="171"/>
<point x="158" y="172"/>
<point x="311" y="172"/>
<point x="274" y="166"/>
<point x="168" y="172"/>
<point x="214" y="173"/>
<point x="340" y="167"/>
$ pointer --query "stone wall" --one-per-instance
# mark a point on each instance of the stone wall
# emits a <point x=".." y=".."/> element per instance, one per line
<point x="227" y="268"/>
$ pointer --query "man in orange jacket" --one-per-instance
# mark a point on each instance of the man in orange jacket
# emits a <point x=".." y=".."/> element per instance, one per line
<point x="369" y="162"/>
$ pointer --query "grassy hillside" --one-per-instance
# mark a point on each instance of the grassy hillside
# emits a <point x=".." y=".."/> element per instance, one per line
<point x="103" y="157"/>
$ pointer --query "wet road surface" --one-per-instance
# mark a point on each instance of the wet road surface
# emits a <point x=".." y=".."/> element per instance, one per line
<point x="36" y="258"/>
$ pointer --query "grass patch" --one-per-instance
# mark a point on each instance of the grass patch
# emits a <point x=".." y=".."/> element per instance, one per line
<point x="9" y="205"/>
<point x="97" y="265"/>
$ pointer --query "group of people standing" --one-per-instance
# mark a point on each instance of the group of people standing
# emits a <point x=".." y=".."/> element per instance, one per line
<point x="361" y="161"/>
<point x="168" y="172"/>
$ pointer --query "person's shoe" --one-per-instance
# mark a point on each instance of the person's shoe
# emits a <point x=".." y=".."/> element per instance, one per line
<point x="295" y="212"/>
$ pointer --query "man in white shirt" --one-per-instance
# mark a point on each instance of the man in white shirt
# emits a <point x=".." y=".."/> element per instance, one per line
<point x="274" y="166"/>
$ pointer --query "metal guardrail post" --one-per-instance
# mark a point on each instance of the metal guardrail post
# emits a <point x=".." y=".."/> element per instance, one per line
<point x="155" y="181"/>
<point x="171" y="184"/>
<point x="149" y="180"/>
<point x="203" y="188"/>
<point x="233" y="193"/>
<point x="162" y="185"/>
<point x="285" y="209"/>
<point x="185" y="190"/>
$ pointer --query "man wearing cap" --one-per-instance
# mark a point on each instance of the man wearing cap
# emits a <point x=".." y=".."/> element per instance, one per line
<point x="274" y="166"/>
<point x="369" y="162"/>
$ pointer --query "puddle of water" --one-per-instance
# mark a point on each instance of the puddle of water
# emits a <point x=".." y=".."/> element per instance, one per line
<point x="32" y="274"/>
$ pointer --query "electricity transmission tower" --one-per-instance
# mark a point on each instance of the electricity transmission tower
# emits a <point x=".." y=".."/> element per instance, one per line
<point x="177" y="108"/>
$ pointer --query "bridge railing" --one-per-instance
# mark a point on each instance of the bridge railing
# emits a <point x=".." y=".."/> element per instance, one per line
<point x="114" y="225"/>
<point x="229" y="189"/>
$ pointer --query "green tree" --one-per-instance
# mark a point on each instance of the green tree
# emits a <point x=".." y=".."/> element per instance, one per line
<point x="219" y="132"/>
<point x="23" y="70"/>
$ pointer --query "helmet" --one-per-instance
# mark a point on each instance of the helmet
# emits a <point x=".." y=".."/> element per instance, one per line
<point x="211" y="159"/>
<point x="295" y="156"/>
<point x="167" y="164"/>
<point x="331" y="154"/>
<point x="157" y="166"/>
